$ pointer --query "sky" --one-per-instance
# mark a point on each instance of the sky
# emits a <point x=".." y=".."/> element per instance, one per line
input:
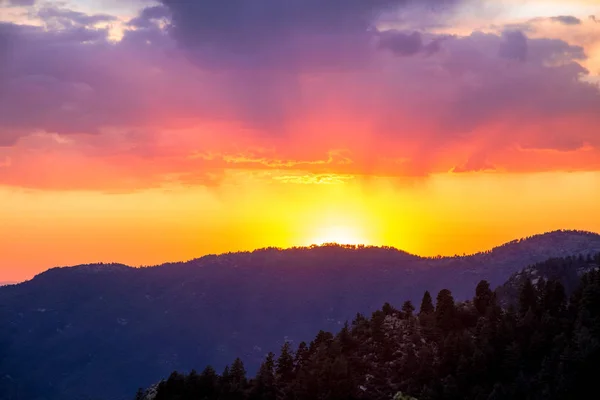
<point x="142" y="131"/>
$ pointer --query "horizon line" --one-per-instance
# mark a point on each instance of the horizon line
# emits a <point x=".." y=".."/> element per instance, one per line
<point x="312" y="246"/>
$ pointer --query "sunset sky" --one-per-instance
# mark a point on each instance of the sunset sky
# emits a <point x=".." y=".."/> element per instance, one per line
<point x="142" y="132"/>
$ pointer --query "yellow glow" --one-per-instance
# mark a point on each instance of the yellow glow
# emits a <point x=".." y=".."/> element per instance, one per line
<point x="341" y="234"/>
<point x="444" y="214"/>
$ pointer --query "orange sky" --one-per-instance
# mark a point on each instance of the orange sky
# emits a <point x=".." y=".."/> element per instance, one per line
<point x="443" y="133"/>
<point x="443" y="214"/>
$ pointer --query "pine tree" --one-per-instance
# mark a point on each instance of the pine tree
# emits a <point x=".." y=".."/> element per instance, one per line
<point x="445" y="311"/>
<point x="140" y="394"/>
<point x="192" y="385"/>
<point x="527" y="298"/>
<point x="426" y="304"/>
<point x="483" y="297"/>
<point x="237" y="375"/>
<point x="553" y="298"/>
<point x="408" y="309"/>
<point x="264" y="387"/>
<point x="301" y="358"/>
<point x="284" y="372"/>
<point x="225" y="384"/>
<point x="388" y="309"/>
<point x="209" y="382"/>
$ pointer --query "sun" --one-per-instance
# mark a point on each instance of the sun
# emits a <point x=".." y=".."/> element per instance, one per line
<point x="345" y="222"/>
<point x="340" y="234"/>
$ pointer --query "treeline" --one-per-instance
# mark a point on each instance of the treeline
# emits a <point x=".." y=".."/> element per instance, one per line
<point x="545" y="347"/>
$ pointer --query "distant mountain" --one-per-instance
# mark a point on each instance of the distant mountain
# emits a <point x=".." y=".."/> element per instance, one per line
<point x="6" y="283"/>
<point x="100" y="331"/>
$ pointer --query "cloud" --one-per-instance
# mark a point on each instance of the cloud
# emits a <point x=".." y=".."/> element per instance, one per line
<point x="17" y="3"/>
<point x="300" y="96"/>
<point x="149" y="15"/>
<point x="297" y="34"/>
<point x="68" y="18"/>
<point x="593" y="18"/>
<point x="46" y="76"/>
<point x="566" y="20"/>
<point x="474" y="164"/>
<point x="407" y="44"/>
<point x="533" y="24"/>
<point x="315" y="179"/>
<point x="514" y="45"/>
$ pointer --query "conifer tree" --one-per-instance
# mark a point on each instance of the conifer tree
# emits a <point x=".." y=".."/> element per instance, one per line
<point x="408" y="309"/>
<point x="140" y="394"/>
<point x="527" y="298"/>
<point x="209" y="381"/>
<point x="483" y="297"/>
<point x="264" y="387"/>
<point x="426" y="304"/>
<point x="445" y="311"/>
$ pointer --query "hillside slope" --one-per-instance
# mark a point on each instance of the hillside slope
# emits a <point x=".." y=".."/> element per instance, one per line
<point x="567" y="270"/>
<point x="99" y="329"/>
<point x="545" y="348"/>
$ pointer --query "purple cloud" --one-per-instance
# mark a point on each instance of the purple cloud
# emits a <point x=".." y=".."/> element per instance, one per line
<point x="566" y="20"/>
<point x="271" y="33"/>
<point x="66" y="17"/>
<point x="514" y="45"/>
<point x="18" y="3"/>
<point x="50" y="80"/>
<point x="532" y="24"/>
<point x="407" y="44"/>
<point x="149" y="15"/>
<point x="527" y="99"/>
<point x="470" y="95"/>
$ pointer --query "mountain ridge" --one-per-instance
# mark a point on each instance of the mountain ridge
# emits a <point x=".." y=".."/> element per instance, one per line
<point x="116" y="266"/>
<point x="76" y="324"/>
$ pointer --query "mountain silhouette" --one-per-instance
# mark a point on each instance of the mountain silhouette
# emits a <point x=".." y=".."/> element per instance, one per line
<point x="100" y="331"/>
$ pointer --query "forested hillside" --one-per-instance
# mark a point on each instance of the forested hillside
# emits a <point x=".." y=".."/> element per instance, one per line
<point x="97" y="332"/>
<point x="545" y="347"/>
<point x="568" y="270"/>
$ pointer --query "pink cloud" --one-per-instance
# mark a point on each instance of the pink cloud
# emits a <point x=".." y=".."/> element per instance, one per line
<point x="80" y="111"/>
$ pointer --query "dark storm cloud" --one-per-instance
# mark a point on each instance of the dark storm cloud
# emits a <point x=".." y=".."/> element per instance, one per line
<point x="300" y="33"/>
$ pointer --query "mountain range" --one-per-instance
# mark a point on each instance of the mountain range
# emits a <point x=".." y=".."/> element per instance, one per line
<point x="100" y="331"/>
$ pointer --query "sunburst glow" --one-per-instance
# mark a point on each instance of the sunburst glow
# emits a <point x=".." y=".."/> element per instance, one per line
<point x="340" y="234"/>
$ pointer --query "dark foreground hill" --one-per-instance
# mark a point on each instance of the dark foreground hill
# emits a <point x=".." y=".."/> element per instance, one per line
<point x="100" y="331"/>
<point x="546" y="347"/>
